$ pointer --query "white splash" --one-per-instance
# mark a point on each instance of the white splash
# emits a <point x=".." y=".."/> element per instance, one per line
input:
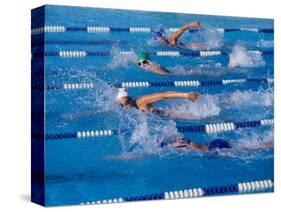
<point x="146" y="132"/>
<point x="253" y="140"/>
<point x="204" y="107"/>
<point x="121" y="60"/>
<point x="265" y="43"/>
<point x="241" y="57"/>
<point x="212" y="38"/>
<point x="249" y="98"/>
<point x="206" y="38"/>
<point x="202" y="70"/>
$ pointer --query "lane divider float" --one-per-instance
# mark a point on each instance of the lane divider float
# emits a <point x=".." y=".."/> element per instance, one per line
<point x="236" y="188"/>
<point x="146" y="84"/>
<point x="107" y="29"/>
<point x="206" y="128"/>
<point x="186" y="53"/>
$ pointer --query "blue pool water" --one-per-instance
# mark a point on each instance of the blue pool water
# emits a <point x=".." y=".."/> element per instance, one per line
<point x="92" y="169"/>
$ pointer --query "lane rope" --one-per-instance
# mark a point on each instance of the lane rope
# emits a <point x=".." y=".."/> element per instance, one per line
<point x="107" y="29"/>
<point x="38" y="42"/>
<point x="237" y="188"/>
<point x="190" y="53"/>
<point x="206" y="128"/>
<point x="146" y="84"/>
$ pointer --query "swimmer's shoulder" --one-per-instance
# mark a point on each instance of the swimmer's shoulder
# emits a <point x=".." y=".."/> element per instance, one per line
<point x="172" y="41"/>
<point x="141" y="103"/>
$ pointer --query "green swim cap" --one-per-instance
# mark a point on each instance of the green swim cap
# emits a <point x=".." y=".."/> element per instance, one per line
<point x="143" y="56"/>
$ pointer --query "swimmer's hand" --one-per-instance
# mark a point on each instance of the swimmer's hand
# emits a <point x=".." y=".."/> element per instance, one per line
<point x="192" y="96"/>
<point x="195" y="24"/>
<point x="232" y="65"/>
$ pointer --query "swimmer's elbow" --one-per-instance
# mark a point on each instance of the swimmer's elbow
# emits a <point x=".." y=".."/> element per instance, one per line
<point x="162" y="71"/>
<point x="172" y="40"/>
<point x="229" y="68"/>
<point x="165" y="72"/>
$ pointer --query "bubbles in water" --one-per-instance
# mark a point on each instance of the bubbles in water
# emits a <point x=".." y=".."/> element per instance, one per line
<point x="248" y="98"/>
<point x="146" y="132"/>
<point x="206" y="38"/>
<point x="265" y="43"/>
<point x="253" y="145"/>
<point x="102" y="98"/>
<point x="121" y="60"/>
<point x="204" y="107"/>
<point x="253" y="139"/>
<point x="212" y="38"/>
<point x="241" y="57"/>
<point x="202" y="70"/>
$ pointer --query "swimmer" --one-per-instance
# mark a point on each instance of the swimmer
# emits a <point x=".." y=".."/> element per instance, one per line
<point x="144" y="103"/>
<point x="184" y="144"/>
<point x="173" y="40"/>
<point x="146" y="63"/>
<point x="216" y="146"/>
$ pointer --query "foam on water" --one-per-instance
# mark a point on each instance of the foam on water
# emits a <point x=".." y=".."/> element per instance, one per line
<point x="210" y="37"/>
<point x="250" y="139"/>
<point x="146" y="132"/>
<point x="241" y="57"/>
<point x="98" y="100"/>
<point x="265" y="43"/>
<point x="202" y="70"/>
<point x="249" y="145"/>
<point x="249" y="98"/>
<point x="121" y="60"/>
<point x="204" y="107"/>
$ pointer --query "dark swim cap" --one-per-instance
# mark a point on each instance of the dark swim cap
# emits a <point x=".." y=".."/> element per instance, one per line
<point x="219" y="144"/>
<point x="157" y="35"/>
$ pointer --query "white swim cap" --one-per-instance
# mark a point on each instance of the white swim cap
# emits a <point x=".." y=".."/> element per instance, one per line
<point x="121" y="93"/>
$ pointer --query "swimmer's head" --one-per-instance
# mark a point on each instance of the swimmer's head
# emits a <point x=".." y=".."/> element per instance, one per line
<point x="122" y="94"/>
<point x="180" y="144"/>
<point x="123" y="97"/>
<point x="143" y="58"/>
<point x="158" y="37"/>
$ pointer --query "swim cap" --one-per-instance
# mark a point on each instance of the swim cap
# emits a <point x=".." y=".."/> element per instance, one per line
<point x="143" y="56"/>
<point x="218" y="144"/>
<point x="157" y="35"/>
<point x="121" y="93"/>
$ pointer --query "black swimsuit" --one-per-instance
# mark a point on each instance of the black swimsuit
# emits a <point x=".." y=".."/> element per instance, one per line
<point x="159" y="112"/>
<point x="133" y="103"/>
<point x="156" y="111"/>
<point x="179" y="44"/>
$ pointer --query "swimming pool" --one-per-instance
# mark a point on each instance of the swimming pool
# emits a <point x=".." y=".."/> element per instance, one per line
<point x="96" y="150"/>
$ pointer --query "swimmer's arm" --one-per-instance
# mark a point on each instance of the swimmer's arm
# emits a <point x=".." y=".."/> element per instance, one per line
<point x="197" y="146"/>
<point x="158" y="69"/>
<point x="266" y="145"/>
<point x="152" y="98"/>
<point x="175" y="36"/>
<point x="230" y="67"/>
